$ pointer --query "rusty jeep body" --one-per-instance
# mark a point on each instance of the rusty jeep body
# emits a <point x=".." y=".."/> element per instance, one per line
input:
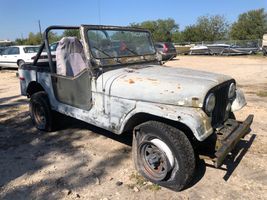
<point x="112" y="78"/>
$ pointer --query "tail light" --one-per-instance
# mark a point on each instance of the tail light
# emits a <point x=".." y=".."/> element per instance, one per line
<point x="165" y="48"/>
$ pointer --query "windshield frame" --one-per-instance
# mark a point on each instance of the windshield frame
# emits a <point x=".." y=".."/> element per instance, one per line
<point x="117" y="28"/>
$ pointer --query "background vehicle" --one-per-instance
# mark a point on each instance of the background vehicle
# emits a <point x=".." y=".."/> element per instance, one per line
<point x="264" y="44"/>
<point x="199" y="50"/>
<point x="15" y="56"/>
<point x="2" y="49"/>
<point x="166" y="49"/>
<point x="43" y="58"/>
<point x="169" y="111"/>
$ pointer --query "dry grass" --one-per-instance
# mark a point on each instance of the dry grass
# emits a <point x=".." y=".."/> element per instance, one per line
<point x="262" y="93"/>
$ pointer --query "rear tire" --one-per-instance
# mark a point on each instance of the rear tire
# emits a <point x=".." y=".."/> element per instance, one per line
<point x="40" y="112"/>
<point x="163" y="155"/>
<point x="20" y="63"/>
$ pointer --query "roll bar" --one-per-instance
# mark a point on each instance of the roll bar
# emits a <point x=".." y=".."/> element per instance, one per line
<point x="45" y="44"/>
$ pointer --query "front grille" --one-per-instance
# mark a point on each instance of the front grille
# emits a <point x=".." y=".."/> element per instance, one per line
<point x="221" y="95"/>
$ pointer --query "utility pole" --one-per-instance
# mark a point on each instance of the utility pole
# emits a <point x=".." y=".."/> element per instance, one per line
<point x="40" y="29"/>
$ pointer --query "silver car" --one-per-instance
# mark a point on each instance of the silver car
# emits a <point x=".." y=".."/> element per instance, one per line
<point x="166" y="49"/>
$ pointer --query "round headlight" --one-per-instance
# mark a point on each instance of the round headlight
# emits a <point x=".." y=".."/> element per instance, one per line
<point x="210" y="103"/>
<point x="231" y="91"/>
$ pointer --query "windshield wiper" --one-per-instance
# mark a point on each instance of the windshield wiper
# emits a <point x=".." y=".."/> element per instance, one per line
<point x="135" y="53"/>
<point x="105" y="53"/>
<point x="132" y="51"/>
<point x="102" y="51"/>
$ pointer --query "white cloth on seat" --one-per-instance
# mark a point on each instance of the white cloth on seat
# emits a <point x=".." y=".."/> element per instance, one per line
<point x="70" y="57"/>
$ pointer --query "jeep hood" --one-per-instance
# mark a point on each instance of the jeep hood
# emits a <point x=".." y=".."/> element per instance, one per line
<point x="161" y="84"/>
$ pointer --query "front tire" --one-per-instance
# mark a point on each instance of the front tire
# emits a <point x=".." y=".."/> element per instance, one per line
<point x="163" y="155"/>
<point x="40" y="112"/>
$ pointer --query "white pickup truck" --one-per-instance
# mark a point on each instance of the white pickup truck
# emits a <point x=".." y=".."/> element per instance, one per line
<point x="112" y="78"/>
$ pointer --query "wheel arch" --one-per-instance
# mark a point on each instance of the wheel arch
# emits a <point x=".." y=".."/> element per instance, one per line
<point x="140" y="118"/>
<point x="34" y="87"/>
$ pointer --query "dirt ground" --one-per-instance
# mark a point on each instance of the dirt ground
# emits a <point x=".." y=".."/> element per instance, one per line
<point x="84" y="162"/>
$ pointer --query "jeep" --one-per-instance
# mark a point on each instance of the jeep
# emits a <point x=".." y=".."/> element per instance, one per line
<point x="113" y="78"/>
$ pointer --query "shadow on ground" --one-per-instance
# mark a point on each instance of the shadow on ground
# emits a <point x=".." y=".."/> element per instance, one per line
<point x="24" y="152"/>
<point x="232" y="161"/>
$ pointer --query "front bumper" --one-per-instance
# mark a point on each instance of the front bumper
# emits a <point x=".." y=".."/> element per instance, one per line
<point x="228" y="136"/>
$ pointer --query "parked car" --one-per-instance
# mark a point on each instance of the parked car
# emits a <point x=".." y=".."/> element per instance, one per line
<point x="53" y="47"/>
<point x="166" y="49"/>
<point x="2" y="49"/>
<point x="43" y="58"/>
<point x="169" y="111"/>
<point x="15" y="56"/>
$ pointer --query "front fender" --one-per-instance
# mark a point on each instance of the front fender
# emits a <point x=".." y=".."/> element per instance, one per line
<point x="194" y="118"/>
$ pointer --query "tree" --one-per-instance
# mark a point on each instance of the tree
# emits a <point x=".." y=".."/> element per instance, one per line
<point x="72" y="33"/>
<point x="250" y="25"/>
<point x="20" y="41"/>
<point x="35" y="39"/>
<point x="191" y="34"/>
<point x="53" y="37"/>
<point x="207" y="28"/>
<point x="161" y="29"/>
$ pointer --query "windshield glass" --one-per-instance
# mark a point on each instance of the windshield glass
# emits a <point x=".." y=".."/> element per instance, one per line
<point x="119" y="43"/>
<point x="31" y="49"/>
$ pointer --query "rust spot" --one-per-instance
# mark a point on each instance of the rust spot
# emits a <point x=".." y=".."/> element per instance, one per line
<point x="178" y="87"/>
<point x="131" y="81"/>
<point x="195" y="101"/>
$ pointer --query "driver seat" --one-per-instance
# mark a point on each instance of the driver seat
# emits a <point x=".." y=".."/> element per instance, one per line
<point x="70" y="57"/>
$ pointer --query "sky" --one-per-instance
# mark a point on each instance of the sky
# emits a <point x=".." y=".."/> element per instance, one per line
<point x="19" y="17"/>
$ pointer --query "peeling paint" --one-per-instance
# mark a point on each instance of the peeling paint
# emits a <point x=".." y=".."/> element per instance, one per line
<point x="131" y="81"/>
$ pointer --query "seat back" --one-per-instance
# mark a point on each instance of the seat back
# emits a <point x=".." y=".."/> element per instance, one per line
<point x="70" y="57"/>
